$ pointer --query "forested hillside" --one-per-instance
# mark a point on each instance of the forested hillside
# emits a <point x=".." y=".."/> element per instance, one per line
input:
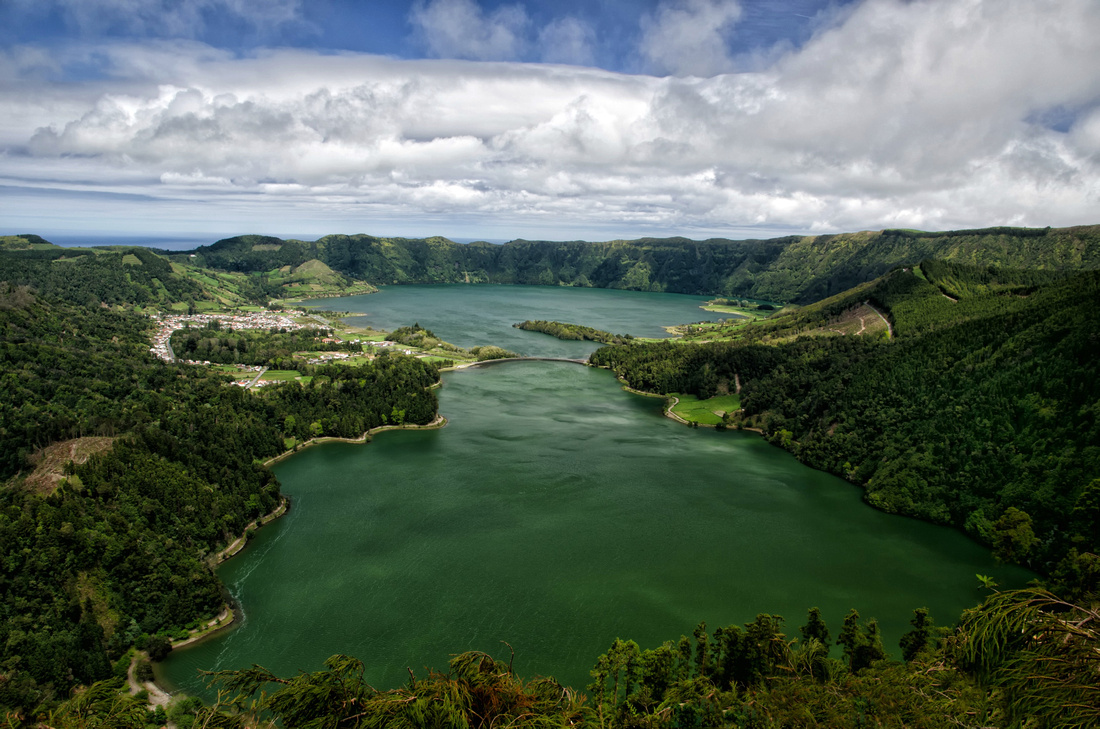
<point x="115" y="551"/>
<point x="792" y="269"/>
<point x="117" y="276"/>
<point x="86" y="276"/>
<point x="981" y="412"/>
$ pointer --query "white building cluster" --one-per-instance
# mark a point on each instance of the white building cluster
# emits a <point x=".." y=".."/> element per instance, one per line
<point x="326" y="357"/>
<point x="173" y="322"/>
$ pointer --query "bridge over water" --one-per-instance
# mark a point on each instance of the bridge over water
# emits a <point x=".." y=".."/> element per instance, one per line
<point x="528" y="359"/>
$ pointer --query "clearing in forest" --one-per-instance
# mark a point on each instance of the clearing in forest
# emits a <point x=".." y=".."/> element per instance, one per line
<point x="705" y="412"/>
<point x="49" y="463"/>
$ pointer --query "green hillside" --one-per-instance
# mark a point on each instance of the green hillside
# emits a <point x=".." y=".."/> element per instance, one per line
<point x="254" y="269"/>
<point x="792" y="269"/>
<point x="133" y="276"/>
<point x="24" y="242"/>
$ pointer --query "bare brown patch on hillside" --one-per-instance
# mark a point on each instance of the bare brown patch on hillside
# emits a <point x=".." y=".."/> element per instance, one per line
<point x="49" y="463"/>
<point x="858" y="321"/>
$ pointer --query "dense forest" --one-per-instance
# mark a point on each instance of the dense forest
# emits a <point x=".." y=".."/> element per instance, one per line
<point x="114" y="551"/>
<point x="980" y="412"/>
<point x="93" y="277"/>
<point x="792" y="269"/>
<point x="215" y="343"/>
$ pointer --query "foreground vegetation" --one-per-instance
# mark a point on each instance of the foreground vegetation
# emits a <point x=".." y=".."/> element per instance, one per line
<point x="1022" y="658"/>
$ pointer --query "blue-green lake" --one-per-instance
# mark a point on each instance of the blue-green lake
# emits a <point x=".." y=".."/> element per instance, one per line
<point x="472" y="315"/>
<point x="557" y="512"/>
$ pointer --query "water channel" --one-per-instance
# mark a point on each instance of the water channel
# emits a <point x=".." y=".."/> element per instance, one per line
<point x="558" y="512"/>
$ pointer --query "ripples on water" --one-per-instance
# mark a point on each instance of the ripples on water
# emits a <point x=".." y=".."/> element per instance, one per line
<point x="557" y="512"/>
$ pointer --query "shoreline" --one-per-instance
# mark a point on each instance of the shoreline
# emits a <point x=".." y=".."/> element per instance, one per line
<point x="158" y="694"/>
<point x="438" y="422"/>
<point x="237" y="545"/>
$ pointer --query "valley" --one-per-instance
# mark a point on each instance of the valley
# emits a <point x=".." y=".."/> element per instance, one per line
<point x="952" y="380"/>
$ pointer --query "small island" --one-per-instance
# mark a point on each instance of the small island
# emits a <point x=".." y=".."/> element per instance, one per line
<point x="577" y="332"/>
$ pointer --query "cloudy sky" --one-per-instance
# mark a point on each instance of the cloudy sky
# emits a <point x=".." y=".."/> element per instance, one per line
<point x="561" y="119"/>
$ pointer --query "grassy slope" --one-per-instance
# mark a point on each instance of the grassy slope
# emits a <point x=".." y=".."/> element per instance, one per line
<point x="704" y="412"/>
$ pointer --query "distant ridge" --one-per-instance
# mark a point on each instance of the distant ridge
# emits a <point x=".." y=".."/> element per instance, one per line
<point x="23" y="242"/>
<point x="798" y="269"/>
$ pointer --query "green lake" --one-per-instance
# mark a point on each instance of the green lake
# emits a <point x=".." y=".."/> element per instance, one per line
<point x="557" y="512"/>
<point x="471" y="315"/>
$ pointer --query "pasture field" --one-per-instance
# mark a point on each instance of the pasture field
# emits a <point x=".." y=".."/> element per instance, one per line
<point x="705" y="412"/>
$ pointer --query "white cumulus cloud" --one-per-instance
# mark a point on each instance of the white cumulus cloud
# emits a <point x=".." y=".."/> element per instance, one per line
<point x="688" y="37"/>
<point x="568" y="40"/>
<point x="461" y="29"/>
<point x="906" y="114"/>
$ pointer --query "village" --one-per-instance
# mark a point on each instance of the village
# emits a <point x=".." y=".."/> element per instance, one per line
<point x="286" y="321"/>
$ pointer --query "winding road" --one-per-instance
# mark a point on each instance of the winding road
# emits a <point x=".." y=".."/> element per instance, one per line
<point x="889" y="326"/>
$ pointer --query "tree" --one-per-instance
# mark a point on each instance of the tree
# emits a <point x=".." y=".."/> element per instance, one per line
<point x="103" y="704"/>
<point x="815" y="627"/>
<point x="158" y="647"/>
<point x="913" y="642"/>
<point x="1086" y="515"/>
<point x="1013" y="537"/>
<point x="477" y="691"/>
<point x="702" y="650"/>
<point x="862" y="643"/>
<point x="1042" y="652"/>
